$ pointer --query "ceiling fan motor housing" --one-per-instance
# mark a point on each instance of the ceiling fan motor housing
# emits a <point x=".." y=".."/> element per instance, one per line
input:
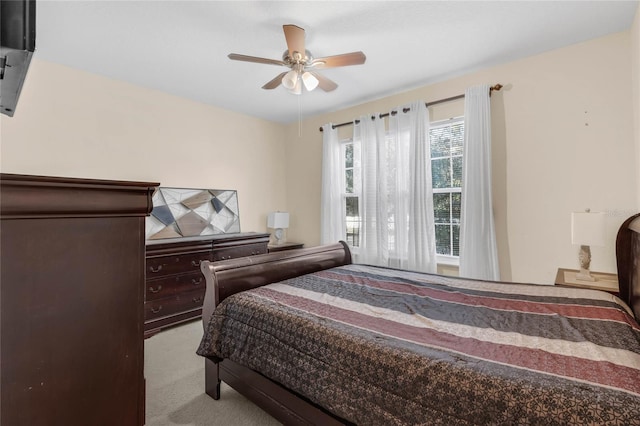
<point x="297" y="58"/>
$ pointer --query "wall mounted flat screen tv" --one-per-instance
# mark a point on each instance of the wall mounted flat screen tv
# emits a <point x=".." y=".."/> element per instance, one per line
<point x="17" y="44"/>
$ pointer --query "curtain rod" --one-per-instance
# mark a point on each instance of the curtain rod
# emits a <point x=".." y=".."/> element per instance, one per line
<point x="427" y="104"/>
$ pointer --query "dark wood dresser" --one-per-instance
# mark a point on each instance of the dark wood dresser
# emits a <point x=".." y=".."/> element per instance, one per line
<point x="174" y="287"/>
<point x="71" y="275"/>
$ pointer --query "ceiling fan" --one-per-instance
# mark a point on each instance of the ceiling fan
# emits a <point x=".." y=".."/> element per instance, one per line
<point x="302" y="64"/>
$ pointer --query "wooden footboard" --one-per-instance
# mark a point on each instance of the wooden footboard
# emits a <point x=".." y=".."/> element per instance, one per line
<point x="232" y="276"/>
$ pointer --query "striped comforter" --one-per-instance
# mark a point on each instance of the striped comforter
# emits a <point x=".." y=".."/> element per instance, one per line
<point x="382" y="346"/>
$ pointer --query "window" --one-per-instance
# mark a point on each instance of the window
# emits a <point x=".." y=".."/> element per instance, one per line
<point x="446" y="139"/>
<point x="351" y="156"/>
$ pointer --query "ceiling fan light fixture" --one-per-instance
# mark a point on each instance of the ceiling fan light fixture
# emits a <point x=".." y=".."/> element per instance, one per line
<point x="310" y="81"/>
<point x="290" y="79"/>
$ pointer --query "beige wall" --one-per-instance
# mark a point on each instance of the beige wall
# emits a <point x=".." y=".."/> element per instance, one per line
<point x="562" y="141"/>
<point x="72" y="123"/>
<point x="563" y="131"/>
<point x="635" y="75"/>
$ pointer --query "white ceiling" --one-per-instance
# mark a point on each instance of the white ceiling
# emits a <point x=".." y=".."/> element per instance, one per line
<point x="181" y="47"/>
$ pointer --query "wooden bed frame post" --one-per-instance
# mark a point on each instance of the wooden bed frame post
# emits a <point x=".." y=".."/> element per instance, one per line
<point x="212" y="378"/>
<point x="628" y="262"/>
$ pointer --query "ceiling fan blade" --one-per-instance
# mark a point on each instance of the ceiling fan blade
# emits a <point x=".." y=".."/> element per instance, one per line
<point x="346" y="59"/>
<point x="295" y="39"/>
<point x="245" y="58"/>
<point x="324" y="83"/>
<point x="275" y="82"/>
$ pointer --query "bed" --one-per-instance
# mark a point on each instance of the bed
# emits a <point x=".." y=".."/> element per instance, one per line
<point x="314" y="339"/>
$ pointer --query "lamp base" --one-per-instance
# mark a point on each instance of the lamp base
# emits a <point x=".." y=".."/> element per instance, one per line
<point x="584" y="257"/>
<point x="279" y="237"/>
<point x="585" y="275"/>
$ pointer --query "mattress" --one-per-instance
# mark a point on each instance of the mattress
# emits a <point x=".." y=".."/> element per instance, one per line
<point x="383" y="346"/>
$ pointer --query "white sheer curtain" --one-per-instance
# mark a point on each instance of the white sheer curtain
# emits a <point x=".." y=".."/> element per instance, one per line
<point x="332" y="226"/>
<point x="396" y="201"/>
<point x="369" y="135"/>
<point x="478" y="248"/>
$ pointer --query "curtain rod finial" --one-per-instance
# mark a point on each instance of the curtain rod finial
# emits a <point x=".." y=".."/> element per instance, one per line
<point x="496" y="87"/>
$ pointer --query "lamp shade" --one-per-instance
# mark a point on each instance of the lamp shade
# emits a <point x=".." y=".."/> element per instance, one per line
<point x="278" y="220"/>
<point x="297" y="89"/>
<point x="310" y="81"/>
<point x="290" y="79"/>
<point x="587" y="228"/>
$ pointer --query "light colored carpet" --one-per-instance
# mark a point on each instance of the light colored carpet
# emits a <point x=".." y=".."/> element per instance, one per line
<point x="175" y="385"/>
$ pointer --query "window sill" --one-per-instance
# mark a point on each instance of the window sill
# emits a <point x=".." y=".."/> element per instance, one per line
<point x="440" y="259"/>
<point x="447" y="260"/>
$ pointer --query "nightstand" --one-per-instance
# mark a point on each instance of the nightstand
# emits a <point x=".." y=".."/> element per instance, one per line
<point x="284" y="246"/>
<point x="605" y="281"/>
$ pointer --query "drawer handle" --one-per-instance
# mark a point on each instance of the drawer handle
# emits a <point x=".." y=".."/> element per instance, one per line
<point x="155" y="290"/>
<point x="156" y="310"/>
<point x="194" y="282"/>
<point x="197" y="299"/>
<point x="194" y="263"/>
<point x="158" y="269"/>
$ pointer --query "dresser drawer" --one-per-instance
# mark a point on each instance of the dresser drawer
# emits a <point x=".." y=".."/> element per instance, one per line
<point x="174" y="287"/>
<point x="173" y="305"/>
<point x="168" y="286"/>
<point x="238" y="251"/>
<point x="175" y="264"/>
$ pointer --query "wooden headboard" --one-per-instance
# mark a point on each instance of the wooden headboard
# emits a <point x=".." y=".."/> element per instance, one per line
<point x="628" y="259"/>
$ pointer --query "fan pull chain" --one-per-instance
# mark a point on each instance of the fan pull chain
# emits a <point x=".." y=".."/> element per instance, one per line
<point x="299" y="116"/>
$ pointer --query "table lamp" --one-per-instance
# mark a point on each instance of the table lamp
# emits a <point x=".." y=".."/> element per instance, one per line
<point x="587" y="229"/>
<point x="279" y="221"/>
